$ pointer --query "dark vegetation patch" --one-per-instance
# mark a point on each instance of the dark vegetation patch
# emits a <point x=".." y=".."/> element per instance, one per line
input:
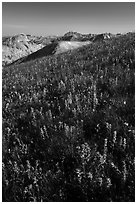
<point x="68" y="125"/>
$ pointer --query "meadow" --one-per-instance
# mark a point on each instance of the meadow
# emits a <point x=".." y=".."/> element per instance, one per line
<point x="69" y="125"/>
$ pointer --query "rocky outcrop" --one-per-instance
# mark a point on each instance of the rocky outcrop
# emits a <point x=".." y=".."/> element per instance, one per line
<point x="74" y="36"/>
<point x="21" y="45"/>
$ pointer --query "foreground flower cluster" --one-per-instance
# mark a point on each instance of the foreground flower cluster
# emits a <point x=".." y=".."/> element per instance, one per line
<point x="68" y="125"/>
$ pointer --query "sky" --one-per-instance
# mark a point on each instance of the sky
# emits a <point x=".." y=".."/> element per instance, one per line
<point x="57" y="18"/>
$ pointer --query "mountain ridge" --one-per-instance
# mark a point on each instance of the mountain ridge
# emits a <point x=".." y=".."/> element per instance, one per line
<point x="22" y="45"/>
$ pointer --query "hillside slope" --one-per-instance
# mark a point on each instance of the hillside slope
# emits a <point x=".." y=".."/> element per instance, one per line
<point x="52" y="49"/>
<point x="69" y="125"/>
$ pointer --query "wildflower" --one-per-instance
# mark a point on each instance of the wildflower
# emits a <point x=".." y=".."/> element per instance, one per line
<point x="42" y="132"/>
<point x="100" y="181"/>
<point x="45" y="131"/>
<point x="62" y="86"/>
<point x="70" y="98"/>
<point x="90" y="176"/>
<point x="108" y="182"/>
<point x="66" y="104"/>
<point x="35" y="180"/>
<point x="85" y="152"/>
<point x="74" y="112"/>
<point x="79" y="175"/>
<point x="114" y="137"/>
<point x="126" y="124"/>
<point x="102" y="159"/>
<point x="124" y="171"/>
<point x="66" y="127"/>
<point x="16" y="169"/>
<point x="50" y="114"/>
<point x="30" y="186"/>
<point x="124" y="143"/>
<point x="109" y="126"/>
<point x="28" y="164"/>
